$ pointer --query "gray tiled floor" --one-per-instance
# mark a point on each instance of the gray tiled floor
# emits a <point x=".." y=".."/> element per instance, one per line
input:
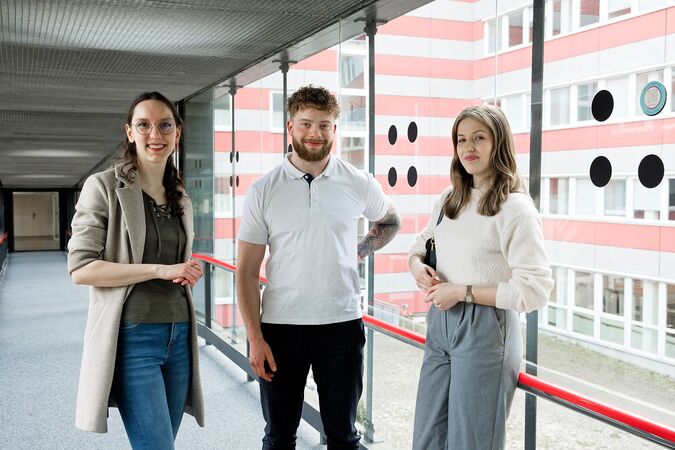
<point x="42" y="318"/>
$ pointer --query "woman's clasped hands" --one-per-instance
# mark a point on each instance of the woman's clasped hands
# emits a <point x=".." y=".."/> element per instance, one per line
<point x="443" y="295"/>
<point x="184" y="273"/>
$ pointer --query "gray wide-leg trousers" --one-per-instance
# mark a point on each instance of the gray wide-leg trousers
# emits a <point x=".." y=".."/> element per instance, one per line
<point x="468" y="378"/>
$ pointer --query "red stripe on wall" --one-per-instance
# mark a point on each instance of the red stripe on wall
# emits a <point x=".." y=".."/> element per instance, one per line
<point x="252" y="98"/>
<point x="642" y="237"/>
<point x="627" y="134"/>
<point x="324" y="61"/>
<point x="399" y="105"/>
<point x="223" y="228"/>
<point x="427" y="67"/>
<point x="433" y="28"/>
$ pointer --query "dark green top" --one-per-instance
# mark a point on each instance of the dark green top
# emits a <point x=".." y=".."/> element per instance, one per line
<point x="159" y="301"/>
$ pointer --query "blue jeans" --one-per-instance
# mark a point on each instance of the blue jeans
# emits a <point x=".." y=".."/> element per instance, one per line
<point x="152" y="380"/>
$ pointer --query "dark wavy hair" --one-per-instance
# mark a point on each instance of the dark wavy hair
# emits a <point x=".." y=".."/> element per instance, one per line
<point x="173" y="184"/>
<point x="313" y="98"/>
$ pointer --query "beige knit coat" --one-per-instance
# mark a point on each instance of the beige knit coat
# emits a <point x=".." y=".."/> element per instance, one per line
<point x="109" y="224"/>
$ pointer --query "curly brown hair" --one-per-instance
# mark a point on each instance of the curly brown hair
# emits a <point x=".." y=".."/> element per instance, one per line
<point x="315" y="98"/>
<point x="172" y="182"/>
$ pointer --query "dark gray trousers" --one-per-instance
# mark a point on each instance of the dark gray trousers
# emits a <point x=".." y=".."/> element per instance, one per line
<point x="468" y="378"/>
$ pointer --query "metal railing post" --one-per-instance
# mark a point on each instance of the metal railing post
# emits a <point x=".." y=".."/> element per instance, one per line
<point x="532" y="321"/>
<point x="208" y="302"/>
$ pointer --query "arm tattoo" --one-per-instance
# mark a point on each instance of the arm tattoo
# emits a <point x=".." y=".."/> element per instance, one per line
<point x="380" y="234"/>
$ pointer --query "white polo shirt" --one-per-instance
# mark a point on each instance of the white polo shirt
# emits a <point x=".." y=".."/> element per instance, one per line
<point x="311" y="233"/>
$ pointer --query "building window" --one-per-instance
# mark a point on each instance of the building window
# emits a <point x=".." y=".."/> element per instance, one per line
<point x="559" y="195"/>
<point x="670" y="302"/>
<point x="352" y="150"/>
<point x="589" y="12"/>
<point x="644" y="5"/>
<point x="491" y="35"/>
<point x="585" y="197"/>
<point x="671" y="199"/>
<point x="353" y="112"/>
<point x="645" y="202"/>
<point x="560" y="106"/>
<point x="515" y="28"/>
<point x="561" y="16"/>
<point x="618" y="8"/>
<point x="513" y="108"/>
<point x="559" y="293"/>
<point x="585" y="93"/>
<point x="583" y="290"/>
<point x="619" y="89"/>
<point x="612" y="294"/>
<point x="352" y="71"/>
<point x="615" y="198"/>
<point x="278" y="111"/>
<point x="645" y="302"/>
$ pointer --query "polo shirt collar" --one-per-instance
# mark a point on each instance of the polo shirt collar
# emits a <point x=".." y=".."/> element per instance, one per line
<point x="295" y="173"/>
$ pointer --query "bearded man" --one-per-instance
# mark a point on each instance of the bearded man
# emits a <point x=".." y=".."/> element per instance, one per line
<point x="306" y="210"/>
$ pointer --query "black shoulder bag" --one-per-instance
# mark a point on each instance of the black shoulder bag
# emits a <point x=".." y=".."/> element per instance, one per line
<point x="430" y="256"/>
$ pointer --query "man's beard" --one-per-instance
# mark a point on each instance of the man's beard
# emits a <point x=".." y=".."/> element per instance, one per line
<point x="312" y="155"/>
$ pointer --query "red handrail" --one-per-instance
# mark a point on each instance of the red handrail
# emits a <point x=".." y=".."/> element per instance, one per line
<point x="524" y="379"/>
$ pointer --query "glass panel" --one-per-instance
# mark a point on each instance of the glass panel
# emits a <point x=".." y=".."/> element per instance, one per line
<point x="645" y="301"/>
<point x="278" y="124"/>
<point x="642" y="338"/>
<point x="585" y="94"/>
<point x="670" y="345"/>
<point x="671" y="198"/>
<point x="670" y="301"/>
<point x="618" y="8"/>
<point x="611" y="330"/>
<point x="198" y="167"/>
<point x="560" y="106"/>
<point x="585" y="196"/>
<point x="619" y="89"/>
<point x="491" y="35"/>
<point x="222" y="114"/>
<point x="612" y="294"/>
<point x="559" y="195"/>
<point x="557" y="317"/>
<point x="515" y="28"/>
<point x="559" y="294"/>
<point x="582" y="323"/>
<point x="589" y="12"/>
<point x="649" y="4"/>
<point x="352" y="71"/>
<point x="615" y="198"/>
<point x="583" y="293"/>
<point x="353" y="112"/>
<point x="513" y="107"/>
<point x="646" y="202"/>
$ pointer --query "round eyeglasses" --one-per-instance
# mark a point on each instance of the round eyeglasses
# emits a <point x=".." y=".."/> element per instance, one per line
<point x="164" y="127"/>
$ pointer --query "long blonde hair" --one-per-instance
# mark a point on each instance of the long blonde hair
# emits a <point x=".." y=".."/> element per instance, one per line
<point x="504" y="178"/>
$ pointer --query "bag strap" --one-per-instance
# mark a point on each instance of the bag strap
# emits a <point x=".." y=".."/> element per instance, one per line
<point x="440" y="216"/>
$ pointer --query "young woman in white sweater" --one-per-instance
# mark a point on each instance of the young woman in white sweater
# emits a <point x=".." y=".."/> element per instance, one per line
<point x="491" y="266"/>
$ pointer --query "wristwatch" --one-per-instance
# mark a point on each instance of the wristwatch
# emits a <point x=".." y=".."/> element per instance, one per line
<point x="468" y="297"/>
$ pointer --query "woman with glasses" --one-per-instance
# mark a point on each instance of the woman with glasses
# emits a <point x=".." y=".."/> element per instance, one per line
<point x="491" y="265"/>
<point x="131" y="242"/>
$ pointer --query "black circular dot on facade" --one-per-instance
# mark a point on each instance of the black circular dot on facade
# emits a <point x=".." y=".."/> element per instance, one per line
<point x="231" y="156"/>
<point x="601" y="171"/>
<point x="237" y="157"/>
<point x="412" y="132"/>
<point x="237" y="181"/>
<point x="602" y="106"/>
<point x="412" y="176"/>
<point x="651" y="171"/>
<point x="290" y="148"/>
<point x="392" y="177"/>
<point x="230" y="180"/>
<point x="392" y="135"/>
